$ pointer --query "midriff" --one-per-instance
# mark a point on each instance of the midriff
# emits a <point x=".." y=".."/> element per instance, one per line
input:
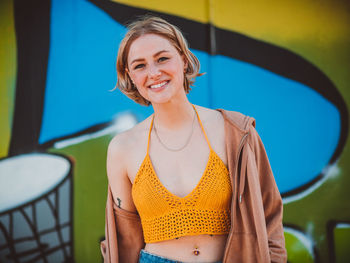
<point x="211" y="248"/>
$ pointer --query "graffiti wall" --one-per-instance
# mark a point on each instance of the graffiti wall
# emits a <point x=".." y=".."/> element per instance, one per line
<point x="285" y="63"/>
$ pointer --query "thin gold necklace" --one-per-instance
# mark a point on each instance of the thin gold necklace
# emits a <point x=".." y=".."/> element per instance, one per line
<point x="182" y="147"/>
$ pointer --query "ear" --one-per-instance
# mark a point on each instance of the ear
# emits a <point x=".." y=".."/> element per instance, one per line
<point x="127" y="72"/>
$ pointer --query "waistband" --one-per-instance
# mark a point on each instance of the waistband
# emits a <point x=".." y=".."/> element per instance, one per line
<point x="147" y="257"/>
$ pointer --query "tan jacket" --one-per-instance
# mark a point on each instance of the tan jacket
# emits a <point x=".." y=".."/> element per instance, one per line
<point x="256" y="233"/>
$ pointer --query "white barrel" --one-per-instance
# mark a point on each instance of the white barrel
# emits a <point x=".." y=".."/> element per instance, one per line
<point x="36" y="208"/>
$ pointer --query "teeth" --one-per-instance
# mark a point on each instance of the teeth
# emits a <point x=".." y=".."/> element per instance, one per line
<point x="158" y="85"/>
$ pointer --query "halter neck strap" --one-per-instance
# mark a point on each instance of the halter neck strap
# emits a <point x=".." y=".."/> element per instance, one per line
<point x="199" y="120"/>
<point x="149" y="133"/>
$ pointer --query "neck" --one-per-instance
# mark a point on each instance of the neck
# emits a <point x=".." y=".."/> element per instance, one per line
<point x="173" y="115"/>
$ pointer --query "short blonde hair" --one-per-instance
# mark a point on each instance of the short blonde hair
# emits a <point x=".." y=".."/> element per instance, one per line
<point x="158" y="26"/>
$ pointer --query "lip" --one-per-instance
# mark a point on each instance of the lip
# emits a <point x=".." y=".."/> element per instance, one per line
<point x="159" y="88"/>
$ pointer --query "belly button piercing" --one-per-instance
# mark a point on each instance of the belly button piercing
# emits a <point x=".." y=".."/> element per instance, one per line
<point x="196" y="251"/>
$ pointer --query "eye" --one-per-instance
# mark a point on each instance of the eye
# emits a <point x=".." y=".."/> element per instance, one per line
<point x="161" y="59"/>
<point x="138" y="66"/>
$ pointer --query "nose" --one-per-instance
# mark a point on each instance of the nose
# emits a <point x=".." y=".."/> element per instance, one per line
<point x="154" y="72"/>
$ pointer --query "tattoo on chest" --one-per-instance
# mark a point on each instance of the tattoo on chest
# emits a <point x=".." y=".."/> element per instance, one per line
<point x="119" y="202"/>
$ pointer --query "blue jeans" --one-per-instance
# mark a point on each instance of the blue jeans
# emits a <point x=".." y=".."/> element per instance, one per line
<point x="146" y="257"/>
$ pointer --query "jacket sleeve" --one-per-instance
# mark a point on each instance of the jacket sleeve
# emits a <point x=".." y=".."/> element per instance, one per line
<point x="123" y="234"/>
<point x="271" y="198"/>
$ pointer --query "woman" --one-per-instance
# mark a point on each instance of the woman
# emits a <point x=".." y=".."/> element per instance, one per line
<point x="187" y="184"/>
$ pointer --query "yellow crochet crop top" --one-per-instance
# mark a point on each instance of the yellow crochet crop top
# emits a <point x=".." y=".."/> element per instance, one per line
<point x="164" y="216"/>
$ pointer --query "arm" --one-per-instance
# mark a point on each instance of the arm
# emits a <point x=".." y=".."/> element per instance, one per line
<point x="272" y="202"/>
<point x="117" y="174"/>
<point x="123" y="231"/>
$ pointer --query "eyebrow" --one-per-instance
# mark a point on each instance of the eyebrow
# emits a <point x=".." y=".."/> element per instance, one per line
<point x="141" y="59"/>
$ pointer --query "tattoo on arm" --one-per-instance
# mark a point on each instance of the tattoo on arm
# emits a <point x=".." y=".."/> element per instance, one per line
<point x="119" y="202"/>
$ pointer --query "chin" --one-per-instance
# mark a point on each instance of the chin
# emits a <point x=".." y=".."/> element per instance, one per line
<point x="165" y="98"/>
<point x="159" y="101"/>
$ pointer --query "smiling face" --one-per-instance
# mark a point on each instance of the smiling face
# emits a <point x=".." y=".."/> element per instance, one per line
<point x="156" y="69"/>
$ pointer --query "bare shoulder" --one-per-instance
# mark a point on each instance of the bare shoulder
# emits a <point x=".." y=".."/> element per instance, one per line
<point x="124" y="148"/>
<point x="214" y="125"/>
<point x="117" y="148"/>
<point x="210" y="117"/>
<point x="116" y="167"/>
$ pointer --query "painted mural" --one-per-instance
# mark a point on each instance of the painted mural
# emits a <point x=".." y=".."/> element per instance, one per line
<point x="285" y="63"/>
